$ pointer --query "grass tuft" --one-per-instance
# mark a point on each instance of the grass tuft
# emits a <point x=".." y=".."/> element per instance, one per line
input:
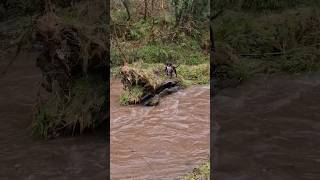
<point x="200" y="173"/>
<point x="74" y="114"/>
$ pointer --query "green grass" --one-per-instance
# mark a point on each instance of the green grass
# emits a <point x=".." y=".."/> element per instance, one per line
<point x="148" y="44"/>
<point x="167" y="43"/>
<point x="131" y="96"/>
<point x="139" y="30"/>
<point x="43" y="122"/>
<point x="200" y="173"/>
<point x="71" y="115"/>
<point x="195" y="74"/>
<point x="188" y="52"/>
<point x="154" y="73"/>
<point x="189" y="74"/>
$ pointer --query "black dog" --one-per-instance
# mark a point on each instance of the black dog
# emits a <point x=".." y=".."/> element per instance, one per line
<point x="170" y="69"/>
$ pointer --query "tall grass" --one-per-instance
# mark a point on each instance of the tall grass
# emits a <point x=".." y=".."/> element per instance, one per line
<point x="71" y="115"/>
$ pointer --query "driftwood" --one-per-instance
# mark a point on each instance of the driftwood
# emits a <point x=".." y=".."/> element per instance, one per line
<point x="153" y="83"/>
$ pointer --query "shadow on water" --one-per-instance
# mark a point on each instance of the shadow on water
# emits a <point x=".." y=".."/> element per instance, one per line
<point x="269" y="129"/>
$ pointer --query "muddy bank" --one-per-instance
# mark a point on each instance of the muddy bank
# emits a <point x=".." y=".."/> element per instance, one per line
<point x="23" y="157"/>
<point x="162" y="142"/>
<point x="269" y="129"/>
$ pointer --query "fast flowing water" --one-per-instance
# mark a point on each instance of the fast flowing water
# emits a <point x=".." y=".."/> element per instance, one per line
<point x="161" y="142"/>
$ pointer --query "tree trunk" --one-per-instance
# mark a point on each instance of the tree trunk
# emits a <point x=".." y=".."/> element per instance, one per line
<point x="126" y="5"/>
<point x="145" y="9"/>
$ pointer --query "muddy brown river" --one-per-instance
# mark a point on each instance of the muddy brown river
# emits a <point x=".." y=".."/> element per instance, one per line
<point x="269" y="129"/>
<point x="162" y="142"/>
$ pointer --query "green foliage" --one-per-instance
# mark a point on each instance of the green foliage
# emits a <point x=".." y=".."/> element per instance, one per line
<point x="154" y="74"/>
<point x="188" y="52"/>
<point x="184" y="9"/>
<point x="155" y="53"/>
<point x="131" y="96"/>
<point x="73" y="114"/>
<point x="304" y="60"/>
<point x="200" y="9"/>
<point x="288" y="40"/>
<point x="194" y="75"/>
<point x="245" y="37"/>
<point x="139" y="30"/>
<point x="202" y="172"/>
<point x="43" y="122"/>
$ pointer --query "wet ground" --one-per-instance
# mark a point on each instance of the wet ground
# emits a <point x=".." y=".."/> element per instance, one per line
<point x="25" y="158"/>
<point x="162" y="142"/>
<point x="269" y="129"/>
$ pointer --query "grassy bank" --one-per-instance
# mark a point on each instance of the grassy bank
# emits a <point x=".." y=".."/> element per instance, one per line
<point x="200" y="173"/>
<point x="74" y="114"/>
<point x="155" y="75"/>
<point x="148" y="43"/>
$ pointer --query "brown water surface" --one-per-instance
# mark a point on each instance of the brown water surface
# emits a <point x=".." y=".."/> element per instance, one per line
<point x="269" y="129"/>
<point x="162" y="142"/>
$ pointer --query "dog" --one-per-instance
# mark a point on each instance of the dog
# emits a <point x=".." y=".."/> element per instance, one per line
<point x="171" y="69"/>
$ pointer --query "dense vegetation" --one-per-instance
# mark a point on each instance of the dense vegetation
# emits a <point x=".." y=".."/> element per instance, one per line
<point x="265" y="37"/>
<point x="147" y="33"/>
<point x="152" y="33"/>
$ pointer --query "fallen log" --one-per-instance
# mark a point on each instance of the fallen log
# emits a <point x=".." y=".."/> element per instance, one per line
<point x="147" y="85"/>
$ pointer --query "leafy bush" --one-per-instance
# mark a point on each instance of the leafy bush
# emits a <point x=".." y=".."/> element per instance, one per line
<point x="289" y="38"/>
<point x="184" y="53"/>
<point x="302" y="60"/>
<point x="139" y="30"/>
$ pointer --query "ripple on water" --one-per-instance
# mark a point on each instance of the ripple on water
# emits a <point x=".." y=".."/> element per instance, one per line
<point x="162" y="142"/>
